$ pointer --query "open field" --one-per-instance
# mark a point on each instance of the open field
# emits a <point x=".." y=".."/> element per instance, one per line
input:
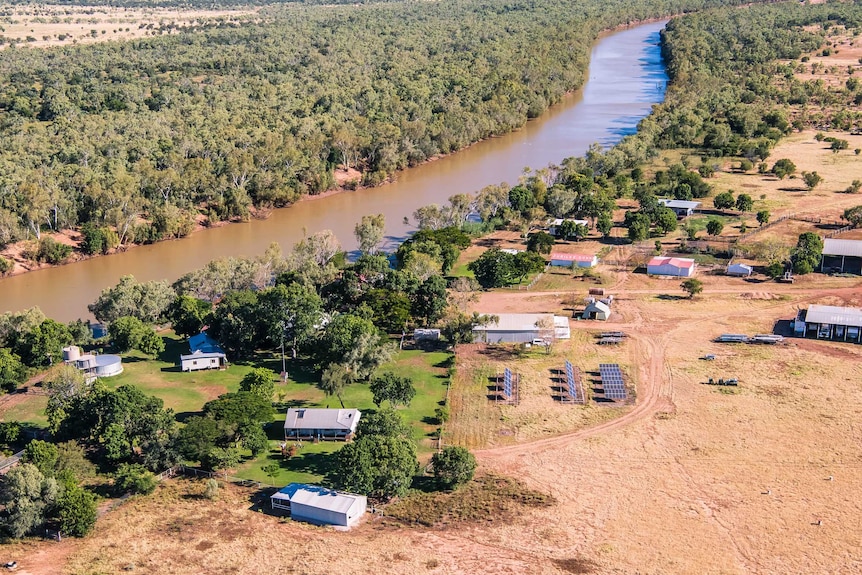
<point x="691" y="479"/>
<point x="47" y="25"/>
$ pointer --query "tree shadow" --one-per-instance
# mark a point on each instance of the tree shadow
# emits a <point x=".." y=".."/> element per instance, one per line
<point x="184" y="416"/>
<point x="669" y="297"/>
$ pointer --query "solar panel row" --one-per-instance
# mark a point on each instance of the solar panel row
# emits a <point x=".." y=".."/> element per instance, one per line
<point x="612" y="381"/>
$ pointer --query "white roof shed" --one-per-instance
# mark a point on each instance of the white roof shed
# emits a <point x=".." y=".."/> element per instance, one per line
<point x="319" y="505"/>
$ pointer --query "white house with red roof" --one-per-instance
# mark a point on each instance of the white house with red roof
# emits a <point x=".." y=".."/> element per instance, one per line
<point x="676" y="267"/>
<point x="576" y="260"/>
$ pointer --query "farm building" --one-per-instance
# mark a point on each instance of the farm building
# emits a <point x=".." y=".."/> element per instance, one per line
<point x="597" y="310"/>
<point x="576" y="260"/>
<point x="426" y="334"/>
<point x="740" y="270"/>
<point x="843" y="256"/>
<point x="319" y="505"/>
<point x="522" y="328"/>
<point x="206" y="353"/>
<point x="677" y="267"/>
<point x="314" y="423"/>
<point x="829" y="322"/>
<point x="682" y="208"/>
<point x="92" y="365"/>
<point x="553" y="228"/>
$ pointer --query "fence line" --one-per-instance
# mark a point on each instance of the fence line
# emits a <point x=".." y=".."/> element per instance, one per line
<point x="10" y="461"/>
<point x="194" y="471"/>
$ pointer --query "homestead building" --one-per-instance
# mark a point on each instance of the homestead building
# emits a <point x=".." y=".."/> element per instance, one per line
<point x="314" y="423"/>
<point x="206" y="353"/>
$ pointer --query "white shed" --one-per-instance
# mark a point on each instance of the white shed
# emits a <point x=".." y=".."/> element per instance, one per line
<point x="676" y="267"/>
<point x="681" y="208"/>
<point x="576" y="260"/>
<point x="206" y="353"/>
<point x="319" y="505"/>
<point x="741" y="270"/>
<point x="597" y="310"/>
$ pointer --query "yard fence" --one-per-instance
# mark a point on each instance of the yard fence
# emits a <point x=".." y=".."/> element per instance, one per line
<point x="223" y="476"/>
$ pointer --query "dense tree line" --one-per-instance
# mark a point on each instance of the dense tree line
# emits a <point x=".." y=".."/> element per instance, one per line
<point x="220" y="121"/>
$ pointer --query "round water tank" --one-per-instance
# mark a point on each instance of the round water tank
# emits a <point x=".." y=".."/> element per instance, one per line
<point x="71" y="353"/>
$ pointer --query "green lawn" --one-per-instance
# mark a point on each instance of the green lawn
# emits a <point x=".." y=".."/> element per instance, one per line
<point x="429" y="371"/>
<point x="186" y="394"/>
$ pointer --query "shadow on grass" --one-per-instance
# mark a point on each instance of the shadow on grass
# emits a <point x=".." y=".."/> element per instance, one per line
<point x="184" y="416"/>
<point x="669" y="297"/>
<point x="323" y="464"/>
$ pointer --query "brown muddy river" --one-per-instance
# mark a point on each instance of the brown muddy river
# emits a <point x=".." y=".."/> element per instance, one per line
<point x="626" y="78"/>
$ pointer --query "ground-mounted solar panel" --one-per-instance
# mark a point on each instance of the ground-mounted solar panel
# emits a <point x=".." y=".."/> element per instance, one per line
<point x="612" y="381"/>
<point x="574" y="386"/>
<point x="507" y="382"/>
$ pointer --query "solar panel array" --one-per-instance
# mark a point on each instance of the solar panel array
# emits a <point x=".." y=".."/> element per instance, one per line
<point x="612" y="381"/>
<point x="507" y="382"/>
<point x="575" y="388"/>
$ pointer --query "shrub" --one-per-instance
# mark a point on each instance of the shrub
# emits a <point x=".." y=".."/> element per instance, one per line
<point x="6" y="266"/>
<point x="453" y="466"/>
<point x="211" y="489"/>
<point x="52" y="251"/>
<point x="134" y="478"/>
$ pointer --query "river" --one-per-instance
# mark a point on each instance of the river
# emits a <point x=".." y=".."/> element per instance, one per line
<point x="626" y="78"/>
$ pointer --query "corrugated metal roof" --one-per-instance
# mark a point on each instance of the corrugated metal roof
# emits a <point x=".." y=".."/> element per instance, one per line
<point x="677" y="262"/>
<point x="202" y="355"/>
<point x="834" y="315"/>
<point x="315" y="418"/>
<point x="836" y="247"/>
<point x="571" y="257"/>
<point x="598" y="306"/>
<point x="559" y="222"/>
<point x="203" y="342"/>
<point x="681" y="204"/>
<point x="318" y="497"/>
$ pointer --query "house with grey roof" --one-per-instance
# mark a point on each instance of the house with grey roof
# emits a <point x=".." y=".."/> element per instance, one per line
<point x="319" y="505"/>
<point x="316" y="423"/>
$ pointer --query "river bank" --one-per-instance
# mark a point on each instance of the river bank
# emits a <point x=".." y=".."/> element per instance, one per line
<point x="626" y="78"/>
<point x="346" y="182"/>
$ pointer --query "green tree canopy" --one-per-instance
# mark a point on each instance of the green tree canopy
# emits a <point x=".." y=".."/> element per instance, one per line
<point x="376" y="465"/>
<point x="392" y="388"/>
<point x="453" y="466"/>
<point x="260" y="381"/>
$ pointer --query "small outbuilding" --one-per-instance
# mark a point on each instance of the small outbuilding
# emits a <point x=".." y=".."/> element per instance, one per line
<point x="206" y="353"/>
<point x="682" y="208"/>
<point x="573" y="260"/>
<point x="844" y="256"/>
<point x="319" y="505"/>
<point x="92" y="365"/>
<point x="739" y="270"/>
<point x="676" y="267"/>
<point x="315" y="423"/>
<point x="597" y="310"/>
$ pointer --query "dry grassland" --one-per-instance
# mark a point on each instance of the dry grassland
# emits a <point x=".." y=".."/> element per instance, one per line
<point x="47" y="25"/>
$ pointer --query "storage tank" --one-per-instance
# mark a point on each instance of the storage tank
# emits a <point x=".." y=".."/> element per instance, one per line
<point x="71" y="353"/>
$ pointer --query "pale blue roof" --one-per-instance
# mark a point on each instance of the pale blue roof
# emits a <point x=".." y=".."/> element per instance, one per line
<point x="203" y="343"/>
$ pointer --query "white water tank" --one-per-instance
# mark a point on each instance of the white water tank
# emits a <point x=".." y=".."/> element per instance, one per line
<point x="71" y="353"/>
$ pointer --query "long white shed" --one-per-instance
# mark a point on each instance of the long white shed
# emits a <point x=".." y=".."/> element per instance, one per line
<point x="319" y="505"/>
